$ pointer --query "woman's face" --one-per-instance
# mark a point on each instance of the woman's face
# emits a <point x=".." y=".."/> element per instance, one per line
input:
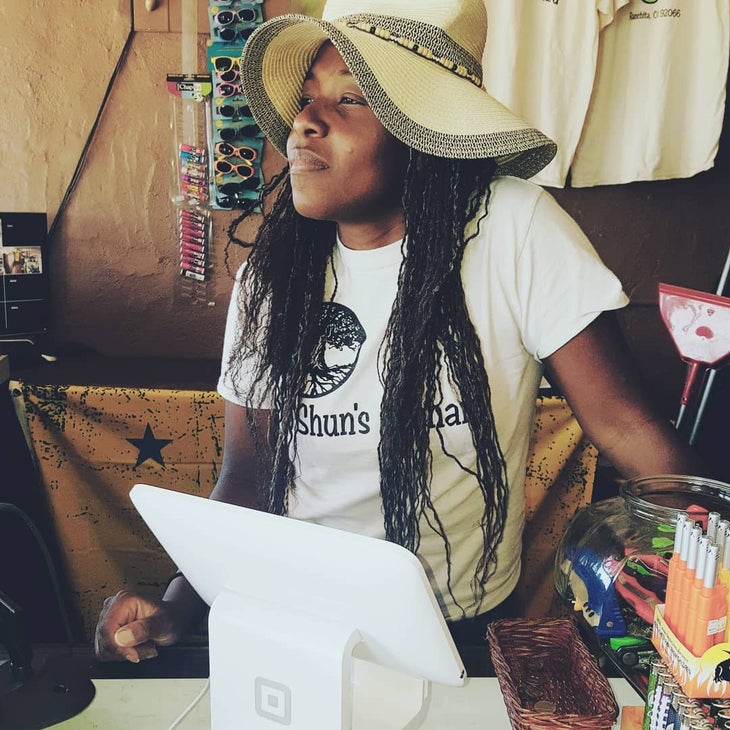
<point x="344" y="165"/>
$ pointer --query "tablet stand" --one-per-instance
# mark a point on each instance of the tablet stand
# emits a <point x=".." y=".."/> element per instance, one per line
<point x="273" y="665"/>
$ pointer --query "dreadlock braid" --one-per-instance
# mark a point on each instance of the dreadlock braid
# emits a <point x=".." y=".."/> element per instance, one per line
<point x="429" y="326"/>
<point x="429" y="330"/>
<point x="284" y="287"/>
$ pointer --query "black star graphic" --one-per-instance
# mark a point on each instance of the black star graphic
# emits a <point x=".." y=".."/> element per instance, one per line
<point x="149" y="447"/>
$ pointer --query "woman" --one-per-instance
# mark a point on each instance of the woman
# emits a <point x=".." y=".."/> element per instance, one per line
<point x="406" y="291"/>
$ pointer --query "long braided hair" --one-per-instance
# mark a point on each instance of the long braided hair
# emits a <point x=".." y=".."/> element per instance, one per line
<point x="282" y="291"/>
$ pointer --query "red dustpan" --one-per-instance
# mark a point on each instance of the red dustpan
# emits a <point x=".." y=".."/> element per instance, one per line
<point x="699" y="324"/>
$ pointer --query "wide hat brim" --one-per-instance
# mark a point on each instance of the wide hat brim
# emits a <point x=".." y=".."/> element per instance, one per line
<point x="423" y="104"/>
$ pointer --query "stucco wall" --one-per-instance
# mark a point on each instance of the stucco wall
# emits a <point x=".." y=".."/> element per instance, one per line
<point x="113" y="256"/>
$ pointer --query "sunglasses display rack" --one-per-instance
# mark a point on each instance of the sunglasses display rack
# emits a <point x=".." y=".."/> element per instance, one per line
<point x="191" y="122"/>
<point x="237" y="142"/>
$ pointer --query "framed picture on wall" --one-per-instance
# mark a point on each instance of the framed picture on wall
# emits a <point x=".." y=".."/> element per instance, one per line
<point x="22" y="260"/>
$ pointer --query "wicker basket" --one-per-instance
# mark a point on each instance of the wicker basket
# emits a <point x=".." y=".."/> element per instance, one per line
<point x="548" y="677"/>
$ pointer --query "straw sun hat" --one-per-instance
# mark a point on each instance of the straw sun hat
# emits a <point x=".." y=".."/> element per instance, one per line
<point x="418" y="64"/>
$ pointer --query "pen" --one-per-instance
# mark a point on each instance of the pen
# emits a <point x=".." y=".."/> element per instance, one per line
<point x="724" y="575"/>
<point x="722" y="528"/>
<point x="693" y="625"/>
<point x="670" y="601"/>
<point x="711" y="607"/>
<point x="687" y="583"/>
<point x="713" y="518"/>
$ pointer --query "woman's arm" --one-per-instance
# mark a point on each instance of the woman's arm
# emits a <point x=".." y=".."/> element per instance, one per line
<point x="237" y="481"/>
<point x="131" y="627"/>
<point x="594" y="372"/>
<point x="236" y="485"/>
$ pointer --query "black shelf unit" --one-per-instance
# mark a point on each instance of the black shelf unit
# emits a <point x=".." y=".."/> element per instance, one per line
<point x="24" y="287"/>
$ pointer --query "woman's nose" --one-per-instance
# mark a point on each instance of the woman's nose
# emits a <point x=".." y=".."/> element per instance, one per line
<point x="310" y="121"/>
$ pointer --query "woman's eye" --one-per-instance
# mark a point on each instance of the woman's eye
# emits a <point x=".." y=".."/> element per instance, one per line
<point x="305" y="101"/>
<point x="351" y="100"/>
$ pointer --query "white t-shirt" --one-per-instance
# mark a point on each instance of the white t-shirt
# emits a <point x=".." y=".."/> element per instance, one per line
<point x="532" y="282"/>
<point x="659" y="95"/>
<point x="540" y="62"/>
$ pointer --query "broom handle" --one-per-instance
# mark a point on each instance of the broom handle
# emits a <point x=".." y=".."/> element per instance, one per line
<point x="711" y="376"/>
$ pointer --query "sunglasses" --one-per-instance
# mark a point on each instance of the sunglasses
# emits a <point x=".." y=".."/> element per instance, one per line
<point x="226" y="89"/>
<point x="227" y="70"/>
<point x="243" y="15"/>
<point x="226" y="202"/>
<point x="228" y="35"/>
<point x="224" y="63"/>
<point x="236" y="188"/>
<point x="224" y="167"/>
<point x="228" y="134"/>
<point x="224" y="149"/>
<point x="228" y="77"/>
<point x="229" y="202"/>
<point x="234" y="112"/>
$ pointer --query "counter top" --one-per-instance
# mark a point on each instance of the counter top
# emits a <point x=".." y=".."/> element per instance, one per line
<point x="152" y="694"/>
<point x="152" y="704"/>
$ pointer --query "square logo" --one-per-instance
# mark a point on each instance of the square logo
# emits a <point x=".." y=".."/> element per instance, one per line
<point x="273" y="700"/>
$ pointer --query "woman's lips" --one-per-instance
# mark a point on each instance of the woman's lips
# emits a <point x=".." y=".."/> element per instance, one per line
<point x="305" y="161"/>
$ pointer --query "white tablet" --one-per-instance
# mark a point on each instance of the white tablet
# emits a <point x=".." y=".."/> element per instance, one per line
<point x="375" y="586"/>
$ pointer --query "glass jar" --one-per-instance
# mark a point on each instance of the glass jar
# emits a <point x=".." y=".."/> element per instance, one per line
<point x="612" y="561"/>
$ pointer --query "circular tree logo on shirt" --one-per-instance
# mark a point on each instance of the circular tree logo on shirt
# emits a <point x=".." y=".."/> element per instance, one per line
<point x="338" y="347"/>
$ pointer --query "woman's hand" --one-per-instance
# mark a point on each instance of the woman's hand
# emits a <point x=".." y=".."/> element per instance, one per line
<point x="131" y="627"/>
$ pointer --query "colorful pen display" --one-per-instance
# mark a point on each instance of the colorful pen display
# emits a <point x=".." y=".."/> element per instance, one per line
<point x="698" y="583"/>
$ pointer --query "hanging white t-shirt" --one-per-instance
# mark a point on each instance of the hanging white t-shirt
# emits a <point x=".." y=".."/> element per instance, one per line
<point x="532" y="282"/>
<point x="540" y="62"/>
<point x="659" y="96"/>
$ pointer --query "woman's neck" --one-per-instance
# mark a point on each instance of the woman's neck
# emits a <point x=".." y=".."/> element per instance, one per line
<point x="365" y="236"/>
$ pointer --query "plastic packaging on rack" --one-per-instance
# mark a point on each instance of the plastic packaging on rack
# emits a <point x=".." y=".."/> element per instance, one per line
<point x="190" y="121"/>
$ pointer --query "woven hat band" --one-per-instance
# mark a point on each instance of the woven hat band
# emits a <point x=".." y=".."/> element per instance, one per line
<point x="439" y="47"/>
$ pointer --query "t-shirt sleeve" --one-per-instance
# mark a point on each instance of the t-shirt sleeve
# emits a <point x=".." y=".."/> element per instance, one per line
<point x="562" y="284"/>
<point x="226" y="384"/>
<point x="607" y="10"/>
<point x="233" y="383"/>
